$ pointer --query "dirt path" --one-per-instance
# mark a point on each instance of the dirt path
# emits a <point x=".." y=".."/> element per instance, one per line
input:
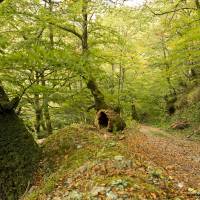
<point x="179" y="157"/>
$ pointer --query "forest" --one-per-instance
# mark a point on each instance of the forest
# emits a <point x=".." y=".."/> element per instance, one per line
<point x="99" y="99"/>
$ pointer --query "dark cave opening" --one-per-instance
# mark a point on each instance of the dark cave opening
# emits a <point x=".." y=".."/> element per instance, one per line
<point x="103" y="120"/>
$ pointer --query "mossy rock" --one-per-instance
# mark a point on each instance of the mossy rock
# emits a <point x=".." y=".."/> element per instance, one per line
<point x="19" y="155"/>
<point x="194" y="95"/>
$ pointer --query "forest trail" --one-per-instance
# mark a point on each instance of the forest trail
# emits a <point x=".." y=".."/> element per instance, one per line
<point x="179" y="157"/>
<point x="81" y="162"/>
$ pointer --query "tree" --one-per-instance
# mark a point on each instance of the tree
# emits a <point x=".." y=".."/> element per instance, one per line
<point x="85" y="10"/>
<point x="19" y="151"/>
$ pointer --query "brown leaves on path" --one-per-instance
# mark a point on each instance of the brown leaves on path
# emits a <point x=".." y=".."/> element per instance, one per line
<point x="179" y="157"/>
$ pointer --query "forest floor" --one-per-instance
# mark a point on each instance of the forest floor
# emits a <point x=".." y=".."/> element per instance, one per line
<point x="142" y="163"/>
<point x="179" y="156"/>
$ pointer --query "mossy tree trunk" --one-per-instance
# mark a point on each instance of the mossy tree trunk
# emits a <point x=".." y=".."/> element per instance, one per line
<point x="106" y="116"/>
<point x="18" y="152"/>
<point x="99" y="101"/>
<point x="110" y="121"/>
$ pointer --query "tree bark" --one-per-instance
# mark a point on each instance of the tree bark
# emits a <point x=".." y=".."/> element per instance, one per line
<point x="91" y="83"/>
<point x="37" y="107"/>
<point x="134" y="114"/>
<point x="47" y="116"/>
<point x="18" y="153"/>
<point x="98" y="96"/>
<point x="5" y="104"/>
<point x="38" y="114"/>
<point x="114" y="121"/>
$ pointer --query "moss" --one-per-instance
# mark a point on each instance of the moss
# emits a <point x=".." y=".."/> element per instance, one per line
<point x="64" y="143"/>
<point x="193" y="96"/>
<point x="18" y="157"/>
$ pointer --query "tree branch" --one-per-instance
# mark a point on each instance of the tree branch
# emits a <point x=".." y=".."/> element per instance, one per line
<point x="67" y="29"/>
<point x="170" y="11"/>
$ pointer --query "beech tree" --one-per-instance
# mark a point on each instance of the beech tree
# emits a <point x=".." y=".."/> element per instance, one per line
<point x="19" y="151"/>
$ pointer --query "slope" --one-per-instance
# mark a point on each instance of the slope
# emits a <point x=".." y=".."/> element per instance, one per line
<point x="80" y="162"/>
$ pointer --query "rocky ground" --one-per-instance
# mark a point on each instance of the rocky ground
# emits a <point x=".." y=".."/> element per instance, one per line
<point x="82" y="163"/>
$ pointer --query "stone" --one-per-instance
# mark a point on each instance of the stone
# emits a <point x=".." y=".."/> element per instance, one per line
<point x="73" y="195"/>
<point x="119" y="158"/>
<point x="122" y="163"/>
<point x="111" y="196"/>
<point x="57" y="198"/>
<point x="79" y="146"/>
<point x="83" y="168"/>
<point x="96" y="190"/>
<point x="119" y="184"/>
<point x="122" y="137"/>
<point x="68" y="182"/>
<point x="180" y="185"/>
<point x="112" y="144"/>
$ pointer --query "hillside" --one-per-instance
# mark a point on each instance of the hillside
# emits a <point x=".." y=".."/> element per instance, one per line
<point x="80" y="162"/>
<point x="99" y="99"/>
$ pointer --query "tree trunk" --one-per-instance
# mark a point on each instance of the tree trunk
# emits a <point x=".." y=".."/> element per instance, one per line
<point x="109" y="119"/>
<point x="18" y="152"/>
<point x="106" y="115"/>
<point x="47" y="116"/>
<point x="134" y="114"/>
<point x="37" y="107"/>
<point x="38" y="113"/>
<point x="99" y="102"/>
<point x="112" y="85"/>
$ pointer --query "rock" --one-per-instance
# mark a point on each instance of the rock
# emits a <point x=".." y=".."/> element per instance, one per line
<point x="73" y="195"/>
<point x="136" y="187"/>
<point x="68" y="182"/>
<point x="83" y="168"/>
<point x="97" y="190"/>
<point x="122" y="137"/>
<point x="111" y="144"/>
<point x="108" y="189"/>
<point x="196" y="158"/>
<point x="180" y="185"/>
<point x="41" y="141"/>
<point x="79" y="146"/>
<point x="121" y="163"/>
<point x="194" y="191"/>
<point x="119" y="184"/>
<point x="57" y="198"/>
<point x="111" y="196"/>
<point x="119" y="158"/>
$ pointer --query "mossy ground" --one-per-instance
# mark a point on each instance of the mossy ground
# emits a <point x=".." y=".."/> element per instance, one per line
<point x="80" y="157"/>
